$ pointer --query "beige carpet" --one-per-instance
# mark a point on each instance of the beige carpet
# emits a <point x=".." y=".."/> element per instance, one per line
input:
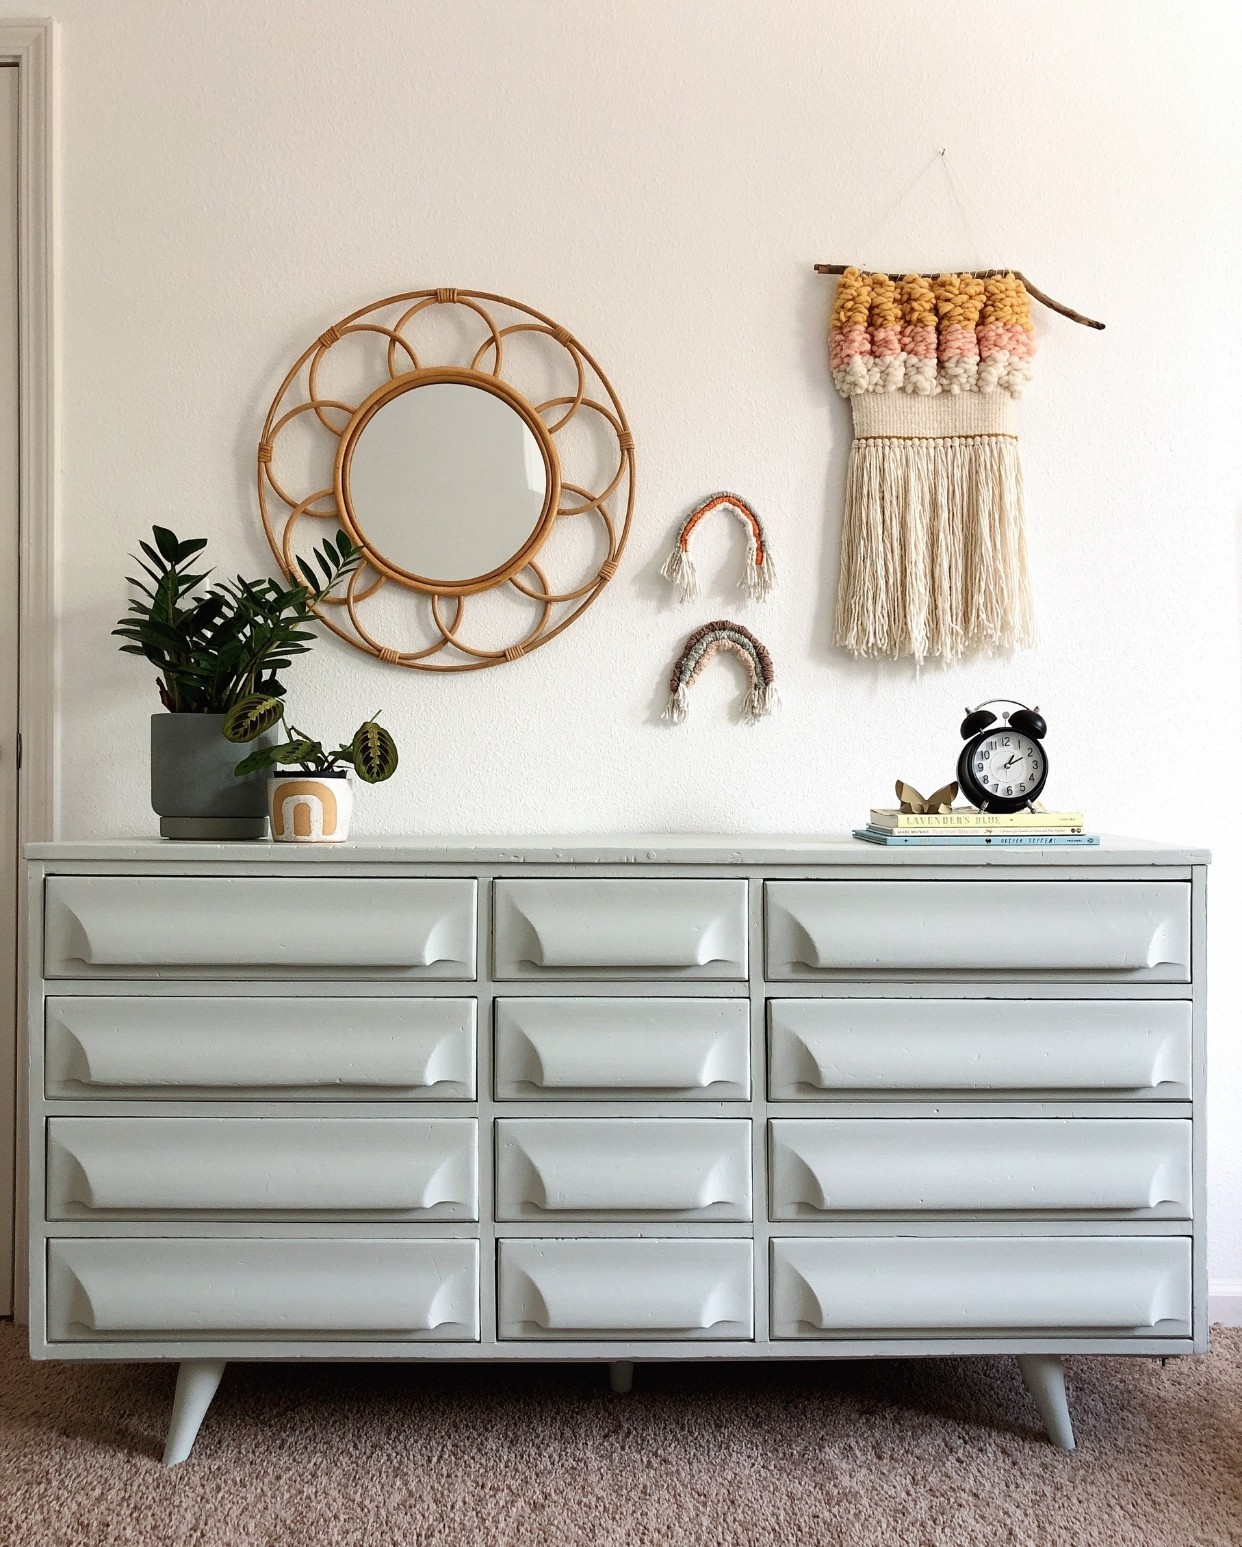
<point x="903" y="1453"/>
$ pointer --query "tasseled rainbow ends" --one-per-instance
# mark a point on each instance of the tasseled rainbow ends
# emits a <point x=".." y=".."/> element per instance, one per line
<point x="761" y="696"/>
<point x="759" y="576"/>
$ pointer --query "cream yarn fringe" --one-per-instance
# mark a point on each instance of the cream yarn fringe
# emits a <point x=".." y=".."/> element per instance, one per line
<point x="759" y="700"/>
<point x="757" y="580"/>
<point x="933" y="549"/>
<point x="679" y="568"/>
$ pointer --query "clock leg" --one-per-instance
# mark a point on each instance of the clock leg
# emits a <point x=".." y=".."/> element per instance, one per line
<point x="197" y="1380"/>
<point x="1044" y="1375"/>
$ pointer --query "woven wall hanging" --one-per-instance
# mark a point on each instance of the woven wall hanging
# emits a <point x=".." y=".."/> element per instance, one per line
<point x="759" y="574"/>
<point x="933" y="548"/>
<point x="709" y="641"/>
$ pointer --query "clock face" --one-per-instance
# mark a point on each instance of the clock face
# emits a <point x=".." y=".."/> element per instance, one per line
<point x="1008" y="765"/>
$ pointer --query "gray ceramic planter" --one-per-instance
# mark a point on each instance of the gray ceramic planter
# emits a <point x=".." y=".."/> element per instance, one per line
<point x="193" y="787"/>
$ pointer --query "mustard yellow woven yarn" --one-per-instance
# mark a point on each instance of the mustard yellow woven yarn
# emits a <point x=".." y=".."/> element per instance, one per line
<point x="949" y="300"/>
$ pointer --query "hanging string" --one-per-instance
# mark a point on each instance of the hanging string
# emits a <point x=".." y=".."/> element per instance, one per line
<point x="886" y="216"/>
<point x="962" y="204"/>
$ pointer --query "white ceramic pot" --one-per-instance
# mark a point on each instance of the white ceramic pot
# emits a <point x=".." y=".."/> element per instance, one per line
<point x="310" y="808"/>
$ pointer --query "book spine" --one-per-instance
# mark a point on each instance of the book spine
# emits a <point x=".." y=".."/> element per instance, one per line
<point x="1016" y="819"/>
<point x="980" y="840"/>
<point x="929" y="834"/>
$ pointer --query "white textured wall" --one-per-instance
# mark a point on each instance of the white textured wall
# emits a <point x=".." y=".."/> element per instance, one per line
<point x="660" y="176"/>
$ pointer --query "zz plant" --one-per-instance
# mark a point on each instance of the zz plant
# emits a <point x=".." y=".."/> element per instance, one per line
<point x="215" y="647"/>
<point x="372" y="753"/>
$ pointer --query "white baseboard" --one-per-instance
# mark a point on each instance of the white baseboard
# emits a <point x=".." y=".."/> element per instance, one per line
<point x="1225" y="1302"/>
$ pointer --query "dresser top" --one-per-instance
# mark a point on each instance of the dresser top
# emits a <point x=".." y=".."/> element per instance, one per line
<point x="613" y="849"/>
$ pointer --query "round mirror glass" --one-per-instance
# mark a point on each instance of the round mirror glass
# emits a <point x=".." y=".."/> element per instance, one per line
<point x="446" y="482"/>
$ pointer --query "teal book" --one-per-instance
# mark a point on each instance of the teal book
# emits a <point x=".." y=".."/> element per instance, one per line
<point x="927" y="840"/>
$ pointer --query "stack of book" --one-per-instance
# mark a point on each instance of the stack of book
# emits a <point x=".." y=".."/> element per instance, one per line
<point x="968" y="826"/>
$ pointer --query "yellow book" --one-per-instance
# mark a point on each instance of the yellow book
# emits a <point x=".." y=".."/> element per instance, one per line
<point x="968" y="819"/>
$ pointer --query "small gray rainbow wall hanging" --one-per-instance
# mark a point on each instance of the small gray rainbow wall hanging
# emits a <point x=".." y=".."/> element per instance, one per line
<point x="709" y="641"/>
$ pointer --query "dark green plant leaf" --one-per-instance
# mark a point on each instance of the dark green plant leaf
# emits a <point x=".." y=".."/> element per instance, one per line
<point x="374" y="753"/>
<point x="253" y="715"/>
<point x="289" y="752"/>
<point x="168" y="543"/>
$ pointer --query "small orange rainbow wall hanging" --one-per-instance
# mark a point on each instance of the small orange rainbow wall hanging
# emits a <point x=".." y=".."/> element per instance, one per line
<point x="708" y="641"/>
<point x="759" y="576"/>
<point x="933" y="548"/>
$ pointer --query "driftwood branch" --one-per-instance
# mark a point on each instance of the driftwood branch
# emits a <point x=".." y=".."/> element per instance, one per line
<point x="1034" y="290"/>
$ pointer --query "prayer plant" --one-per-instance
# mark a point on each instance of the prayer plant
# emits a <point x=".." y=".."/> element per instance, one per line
<point x="216" y="646"/>
<point x="372" y="753"/>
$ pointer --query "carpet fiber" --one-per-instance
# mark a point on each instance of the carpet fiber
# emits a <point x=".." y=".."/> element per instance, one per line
<point x="905" y="1453"/>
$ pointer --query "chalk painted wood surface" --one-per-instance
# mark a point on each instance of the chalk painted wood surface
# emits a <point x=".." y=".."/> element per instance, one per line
<point x="139" y="926"/>
<point x="197" y="1289"/>
<point x="262" y="1167"/>
<point x="1136" y="1049"/>
<point x="112" y="1046"/>
<point x="655" y="1168"/>
<point x="660" y="926"/>
<point x="691" y="1289"/>
<point x="1125" y="931"/>
<point x="1124" y="1167"/>
<point x="709" y="1115"/>
<point x="687" y="1049"/>
<point x="1126" y="1285"/>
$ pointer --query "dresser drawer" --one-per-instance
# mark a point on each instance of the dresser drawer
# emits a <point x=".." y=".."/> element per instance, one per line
<point x="654" y="1168"/>
<point x="675" y="1289"/>
<point x="264" y="1168"/>
<point x="682" y="1049"/>
<point x="102" y="1289"/>
<point x="1118" y="1167"/>
<point x="629" y="928"/>
<point x="257" y="926"/>
<point x="110" y="1047"/>
<point x="1120" y="1049"/>
<point x="849" y="1286"/>
<point x="1124" y="931"/>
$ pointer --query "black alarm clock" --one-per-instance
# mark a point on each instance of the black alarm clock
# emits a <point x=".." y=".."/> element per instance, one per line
<point x="1003" y="767"/>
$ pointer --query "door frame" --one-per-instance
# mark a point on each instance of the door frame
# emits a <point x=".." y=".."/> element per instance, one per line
<point x="32" y="45"/>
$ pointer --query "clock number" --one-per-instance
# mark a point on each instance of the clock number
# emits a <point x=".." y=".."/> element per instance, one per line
<point x="1004" y="741"/>
<point x="1009" y="789"/>
<point x="1022" y="789"/>
<point x="988" y="752"/>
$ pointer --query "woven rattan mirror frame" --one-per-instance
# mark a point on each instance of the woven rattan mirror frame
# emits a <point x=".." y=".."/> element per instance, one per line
<point x="284" y="508"/>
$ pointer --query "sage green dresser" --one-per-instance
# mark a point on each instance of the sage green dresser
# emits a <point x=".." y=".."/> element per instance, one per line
<point x="617" y="1099"/>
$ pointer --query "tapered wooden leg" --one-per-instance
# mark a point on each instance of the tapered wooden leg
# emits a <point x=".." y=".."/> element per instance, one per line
<point x="1044" y="1375"/>
<point x="197" y="1380"/>
<point x="621" y="1375"/>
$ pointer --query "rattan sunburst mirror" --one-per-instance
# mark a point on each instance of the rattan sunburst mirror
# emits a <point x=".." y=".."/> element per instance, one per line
<point x="477" y="455"/>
